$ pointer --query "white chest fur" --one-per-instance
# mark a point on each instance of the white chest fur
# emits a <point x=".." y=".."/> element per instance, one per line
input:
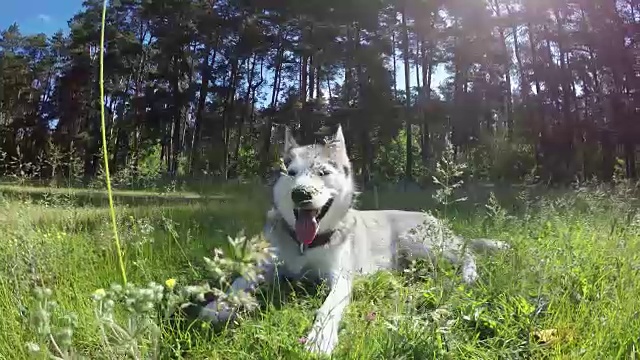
<point x="321" y="261"/>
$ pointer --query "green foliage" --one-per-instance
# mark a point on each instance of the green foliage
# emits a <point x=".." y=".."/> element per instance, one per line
<point x="150" y="165"/>
<point x="391" y="158"/>
<point x="249" y="160"/>
<point x="448" y="176"/>
<point x="498" y="159"/>
<point x="198" y="88"/>
<point x="565" y="290"/>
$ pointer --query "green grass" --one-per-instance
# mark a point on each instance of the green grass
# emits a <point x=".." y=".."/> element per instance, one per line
<point x="573" y="270"/>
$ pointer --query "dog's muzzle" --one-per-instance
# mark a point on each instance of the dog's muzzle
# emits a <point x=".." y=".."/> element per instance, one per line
<point x="307" y="215"/>
<point x="302" y="196"/>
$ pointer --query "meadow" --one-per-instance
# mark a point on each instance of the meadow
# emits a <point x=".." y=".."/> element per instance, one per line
<point x="568" y="289"/>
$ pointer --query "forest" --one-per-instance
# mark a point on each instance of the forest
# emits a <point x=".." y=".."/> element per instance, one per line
<point x="524" y="90"/>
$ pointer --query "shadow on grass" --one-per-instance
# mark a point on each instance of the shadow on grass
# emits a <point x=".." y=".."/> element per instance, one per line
<point x="99" y="198"/>
<point x="275" y="296"/>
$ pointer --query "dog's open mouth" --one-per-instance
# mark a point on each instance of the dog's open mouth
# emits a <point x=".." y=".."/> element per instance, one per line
<point x="307" y="222"/>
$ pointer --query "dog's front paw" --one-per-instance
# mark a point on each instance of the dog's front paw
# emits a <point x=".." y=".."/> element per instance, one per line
<point x="322" y="340"/>
<point x="469" y="272"/>
<point x="469" y="277"/>
<point x="216" y="312"/>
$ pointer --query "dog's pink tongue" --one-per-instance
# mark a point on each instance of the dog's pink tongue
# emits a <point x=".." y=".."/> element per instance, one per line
<point x="306" y="226"/>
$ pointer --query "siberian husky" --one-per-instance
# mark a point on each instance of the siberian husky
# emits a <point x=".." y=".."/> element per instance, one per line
<point x="315" y="231"/>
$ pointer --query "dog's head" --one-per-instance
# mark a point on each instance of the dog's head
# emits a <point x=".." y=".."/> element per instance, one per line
<point x="316" y="187"/>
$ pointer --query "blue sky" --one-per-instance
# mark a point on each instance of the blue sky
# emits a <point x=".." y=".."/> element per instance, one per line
<point x="36" y="16"/>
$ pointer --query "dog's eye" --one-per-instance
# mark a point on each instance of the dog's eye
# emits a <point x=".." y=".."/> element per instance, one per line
<point x="291" y="172"/>
<point x="324" y="172"/>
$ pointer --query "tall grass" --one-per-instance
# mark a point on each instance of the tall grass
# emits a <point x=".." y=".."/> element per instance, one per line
<point x="568" y="288"/>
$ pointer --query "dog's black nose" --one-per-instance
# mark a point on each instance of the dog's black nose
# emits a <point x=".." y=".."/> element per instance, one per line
<point x="300" y="195"/>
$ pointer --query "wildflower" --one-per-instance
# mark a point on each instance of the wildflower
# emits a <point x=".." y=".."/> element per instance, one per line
<point x="170" y="283"/>
<point x="99" y="294"/>
<point x="38" y="293"/>
<point x="33" y="347"/>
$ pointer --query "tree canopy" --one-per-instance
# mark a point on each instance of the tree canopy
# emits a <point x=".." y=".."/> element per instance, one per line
<point x="201" y="87"/>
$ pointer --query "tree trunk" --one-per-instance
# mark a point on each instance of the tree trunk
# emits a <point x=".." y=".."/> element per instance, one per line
<point x="630" y="159"/>
<point x="178" y="107"/>
<point x="318" y="81"/>
<point x="304" y="64"/>
<point x="541" y="128"/>
<point x="525" y="87"/>
<point x="241" y="121"/>
<point x="394" y="73"/>
<point x="312" y="77"/>
<point x="266" y="133"/>
<point x="200" y="109"/>
<point x="408" y="172"/>
<point x="507" y="73"/>
<point x="227" y="113"/>
<point x="425" y="132"/>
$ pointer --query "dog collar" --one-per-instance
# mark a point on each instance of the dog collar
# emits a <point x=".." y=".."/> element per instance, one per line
<point x="320" y="239"/>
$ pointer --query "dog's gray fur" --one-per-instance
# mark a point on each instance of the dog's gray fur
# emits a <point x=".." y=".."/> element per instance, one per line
<point x="362" y="242"/>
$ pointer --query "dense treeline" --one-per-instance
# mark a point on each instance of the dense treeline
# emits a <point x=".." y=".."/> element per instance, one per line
<point x="195" y="88"/>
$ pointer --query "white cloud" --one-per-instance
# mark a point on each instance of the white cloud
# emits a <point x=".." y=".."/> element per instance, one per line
<point x="44" y="17"/>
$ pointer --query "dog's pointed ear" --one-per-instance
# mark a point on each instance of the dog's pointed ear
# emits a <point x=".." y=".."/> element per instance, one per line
<point x="289" y="140"/>
<point x="338" y="137"/>
<point x="338" y="147"/>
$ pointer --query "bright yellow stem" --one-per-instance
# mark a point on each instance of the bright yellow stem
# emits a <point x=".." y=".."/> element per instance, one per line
<point x="104" y="148"/>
